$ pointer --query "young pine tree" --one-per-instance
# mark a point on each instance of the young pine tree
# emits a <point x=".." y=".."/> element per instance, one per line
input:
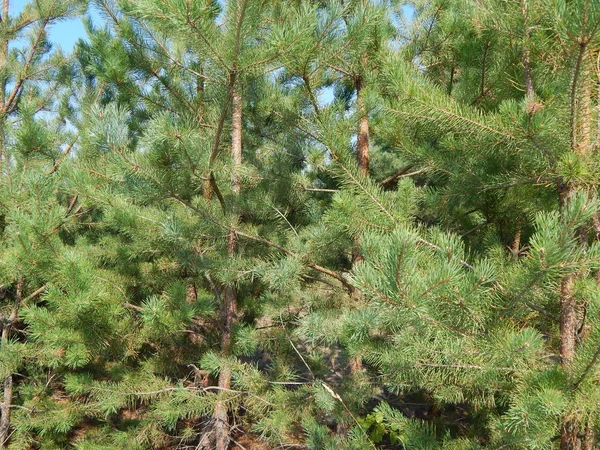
<point x="35" y="210"/>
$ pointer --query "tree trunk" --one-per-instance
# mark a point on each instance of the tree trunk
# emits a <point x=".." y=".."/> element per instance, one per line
<point x="229" y="306"/>
<point x="3" y="83"/>
<point x="229" y="315"/>
<point x="572" y="432"/>
<point x="568" y="320"/>
<point x="7" y="394"/>
<point x="583" y="103"/>
<point x="362" y="153"/>
<point x="569" y="437"/>
<point x="5" y="410"/>
<point x="200" y="89"/>
<point x="528" y="77"/>
<point x="236" y="140"/>
<point x="589" y="439"/>
<point x="516" y="244"/>
<point x="363" y="156"/>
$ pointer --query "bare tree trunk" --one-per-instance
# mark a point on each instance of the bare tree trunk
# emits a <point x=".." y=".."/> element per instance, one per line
<point x="363" y="156"/>
<point x="7" y="394"/>
<point x="568" y="320"/>
<point x="595" y="64"/>
<point x="529" y="91"/>
<point x="363" y="159"/>
<point x="516" y="245"/>
<point x="569" y="437"/>
<point x="230" y="305"/>
<point x="229" y="315"/>
<point x="528" y="77"/>
<point x="3" y="82"/>
<point x="583" y="105"/>
<point x="236" y="140"/>
<point x="5" y="410"/>
<point x="589" y="439"/>
<point x="200" y="90"/>
<point x="580" y="123"/>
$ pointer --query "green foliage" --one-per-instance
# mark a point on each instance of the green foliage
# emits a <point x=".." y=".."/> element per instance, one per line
<point x="419" y="306"/>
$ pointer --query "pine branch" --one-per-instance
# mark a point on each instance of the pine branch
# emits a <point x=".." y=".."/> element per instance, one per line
<point x="311" y="95"/>
<point x="397" y="175"/>
<point x="588" y="368"/>
<point x="573" y="99"/>
<point x="166" y="54"/>
<point x="452" y="115"/>
<point x="341" y="400"/>
<point x="464" y="367"/>
<point x="63" y="154"/>
<point x="206" y="42"/>
<point x="10" y="104"/>
<point x="178" y="389"/>
<point x="321" y="190"/>
<point x="268" y="243"/>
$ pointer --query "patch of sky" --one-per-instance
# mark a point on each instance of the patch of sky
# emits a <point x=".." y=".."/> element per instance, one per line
<point x="326" y="96"/>
<point x="65" y="33"/>
<point x="401" y="19"/>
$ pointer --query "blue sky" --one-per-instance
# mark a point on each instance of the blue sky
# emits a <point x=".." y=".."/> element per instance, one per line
<point x="67" y="32"/>
<point x="64" y="33"/>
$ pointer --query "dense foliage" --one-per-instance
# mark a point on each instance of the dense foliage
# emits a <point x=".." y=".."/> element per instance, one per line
<point x="319" y="224"/>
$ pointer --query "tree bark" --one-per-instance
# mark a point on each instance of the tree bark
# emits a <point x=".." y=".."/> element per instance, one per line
<point x="236" y="140"/>
<point x="572" y="430"/>
<point x="516" y="244"/>
<point x="7" y="394"/>
<point x="589" y="440"/>
<point x="528" y="77"/>
<point x="363" y="158"/>
<point x="363" y="155"/>
<point x="570" y="427"/>
<point x="568" y="320"/>
<point x="3" y="83"/>
<point x="582" y="104"/>
<point x="5" y="410"/>
<point x="569" y="437"/>
<point x="229" y="308"/>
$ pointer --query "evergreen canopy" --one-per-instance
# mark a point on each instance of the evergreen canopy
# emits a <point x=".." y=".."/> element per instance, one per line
<point x="340" y="224"/>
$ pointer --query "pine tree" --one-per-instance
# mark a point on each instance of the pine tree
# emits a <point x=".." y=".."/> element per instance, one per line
<point x="181" y="261"/>
<point x="529" y="146"/>
<point x="164" y="156"/>
<point x="33" y="142"/>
